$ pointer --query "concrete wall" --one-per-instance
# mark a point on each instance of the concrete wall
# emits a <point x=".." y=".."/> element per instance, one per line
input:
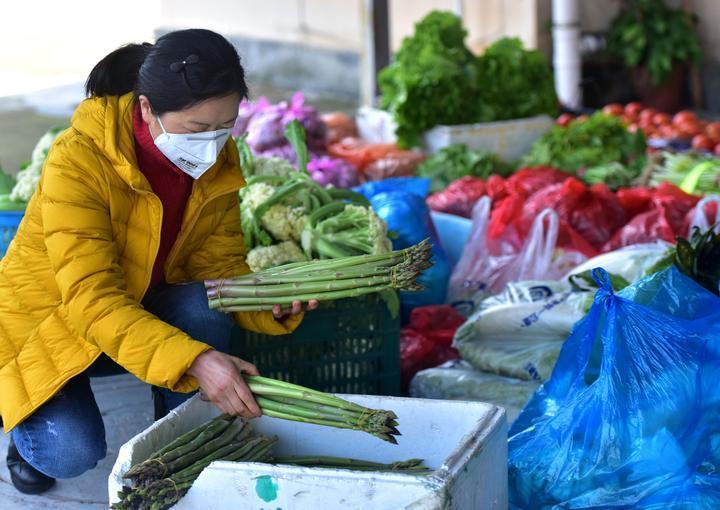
<point x="336" y="24"/>
<point x="44" y="44"/>
<point x="317" y="45"/>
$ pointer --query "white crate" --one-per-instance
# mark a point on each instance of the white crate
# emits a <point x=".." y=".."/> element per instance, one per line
<point x="509" y="139"/>
<point x="465" y="442"/>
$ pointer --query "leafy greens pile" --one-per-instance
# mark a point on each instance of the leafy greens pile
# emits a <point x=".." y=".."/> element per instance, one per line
<point x="436" y="80"/>
<point x="456" y="161"/>
<point x="600" y="141"/>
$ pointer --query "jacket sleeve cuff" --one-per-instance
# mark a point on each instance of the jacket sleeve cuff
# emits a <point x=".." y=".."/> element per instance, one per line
<point x="265" y="322"/>
<point x="179" y="360"/>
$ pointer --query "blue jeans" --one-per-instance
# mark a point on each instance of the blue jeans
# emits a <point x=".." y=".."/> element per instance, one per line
<point x="65" y="436"/>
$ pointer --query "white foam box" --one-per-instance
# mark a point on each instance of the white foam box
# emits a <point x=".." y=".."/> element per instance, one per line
<point x="464" y="442"/>
<point x="509" y="139"/>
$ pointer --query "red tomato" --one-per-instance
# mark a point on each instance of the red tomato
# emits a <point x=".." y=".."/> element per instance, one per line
<point x="661" y="119"/>
<point x="683" y="116"/>
<point x="564" y="119"/>
<point x="668" y="132"/>
<point x="633" y="109"/>
<point x="613" y="109"/>
<point x="633" y="127"/>
<point x="647" y="114"/>
<point x="702" y="142"/>
<point x="713" y="131"/>
<point x="717" y="150"/>
<point x="689" y="128"/>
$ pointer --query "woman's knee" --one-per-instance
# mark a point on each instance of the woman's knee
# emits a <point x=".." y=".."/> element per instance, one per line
<point x="61" y="454"/>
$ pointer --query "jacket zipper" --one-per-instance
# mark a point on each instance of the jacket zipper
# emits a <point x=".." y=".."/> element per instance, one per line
<point x="155" y="199"/>
<point x="185" y="231"/>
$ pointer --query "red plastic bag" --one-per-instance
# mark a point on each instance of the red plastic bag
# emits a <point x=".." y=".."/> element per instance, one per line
<point x="593" y="212"/>
<point x="527" y="181"/>
<point x="459" y="197"/>
<point x="676" y="203"/>
<point x="635" y="200"/>
<point x="427" y="340"/>
<point x="646" y="227"/>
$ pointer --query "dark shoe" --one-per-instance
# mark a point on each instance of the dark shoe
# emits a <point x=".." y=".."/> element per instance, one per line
<point x="26" y="478"/>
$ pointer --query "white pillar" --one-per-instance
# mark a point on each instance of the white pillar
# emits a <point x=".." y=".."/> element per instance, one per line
<point x="567" y="61"/>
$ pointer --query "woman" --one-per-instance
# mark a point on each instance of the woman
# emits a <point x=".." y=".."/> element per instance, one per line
<point x="137" y="205"/>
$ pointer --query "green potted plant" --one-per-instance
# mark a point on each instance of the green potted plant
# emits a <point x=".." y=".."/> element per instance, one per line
<point x="657" y="43"/>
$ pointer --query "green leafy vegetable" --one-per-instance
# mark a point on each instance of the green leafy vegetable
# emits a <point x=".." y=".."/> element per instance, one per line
<point x="694" y="172"/>
<point x="456" y="161"/>
<point x="515" y="83"/>
<point x="648" y="33"/>
<point x="697" y="257"/>
<point x="432" y="80"/>
<point x="600" y="140"/>
<point x="436" y="80"/>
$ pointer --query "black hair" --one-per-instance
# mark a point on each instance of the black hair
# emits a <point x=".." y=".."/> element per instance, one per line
<point x="181" y="69"/>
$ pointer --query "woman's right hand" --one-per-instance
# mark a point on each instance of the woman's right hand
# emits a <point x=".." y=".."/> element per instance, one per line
<point x="221" y="382"/>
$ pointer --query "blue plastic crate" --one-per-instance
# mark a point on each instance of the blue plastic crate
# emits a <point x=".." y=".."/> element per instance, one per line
<point x="9" y="222"/>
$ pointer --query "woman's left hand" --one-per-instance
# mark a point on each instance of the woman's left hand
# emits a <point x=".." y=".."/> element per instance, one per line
<point x="297" y="307"/>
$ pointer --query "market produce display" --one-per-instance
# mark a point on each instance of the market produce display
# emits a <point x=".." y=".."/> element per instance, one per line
<point x="692" y="172"/>
<point x="287" y="216"/>
<point x="436" y="80"/>
<point x="457" y="161"/>
<point x="600" y="147"/>
<point x="163" y="479"/>
<point x="324" y="280"/>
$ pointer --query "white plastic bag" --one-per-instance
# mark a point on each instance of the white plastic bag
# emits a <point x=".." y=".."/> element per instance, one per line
<point x="699" y="218"/>
<point x="519" y="333"/>
<point x="458" y="380"/>
<point x="631" y="262"/>
<point x="486" y="267"/>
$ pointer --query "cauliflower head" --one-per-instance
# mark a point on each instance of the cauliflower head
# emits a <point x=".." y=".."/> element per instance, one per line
<point x="263" y="257"/>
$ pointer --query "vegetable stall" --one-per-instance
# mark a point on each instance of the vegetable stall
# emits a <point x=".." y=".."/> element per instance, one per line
<point x="472" y="254"/>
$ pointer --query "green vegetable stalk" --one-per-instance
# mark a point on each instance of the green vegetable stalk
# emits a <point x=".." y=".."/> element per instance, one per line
<point x="324" y="280"/>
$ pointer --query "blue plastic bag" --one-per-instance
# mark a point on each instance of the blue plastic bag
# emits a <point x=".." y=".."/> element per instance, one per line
<point x="408" y="218"/>
<point x="644" y="432"/>
<point x="417" y="185"/>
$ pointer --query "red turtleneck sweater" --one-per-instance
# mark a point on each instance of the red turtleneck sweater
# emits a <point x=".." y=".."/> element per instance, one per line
<point x="169" y="183"/>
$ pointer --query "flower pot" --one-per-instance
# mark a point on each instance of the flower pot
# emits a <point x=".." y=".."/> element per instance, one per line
<point x="666" y="97"/>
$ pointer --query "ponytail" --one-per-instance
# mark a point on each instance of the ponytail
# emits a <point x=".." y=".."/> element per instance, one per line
<point x="181" y="69"/>
<point x="117" y="73"/>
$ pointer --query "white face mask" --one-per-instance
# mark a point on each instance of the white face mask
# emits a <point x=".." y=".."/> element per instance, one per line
<point x="193" y="153"/>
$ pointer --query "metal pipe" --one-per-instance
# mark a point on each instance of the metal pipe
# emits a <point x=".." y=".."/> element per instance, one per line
<point x="567" y="61"/>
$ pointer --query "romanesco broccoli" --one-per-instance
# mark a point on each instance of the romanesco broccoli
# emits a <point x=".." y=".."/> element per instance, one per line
<point x="341" y="230"/>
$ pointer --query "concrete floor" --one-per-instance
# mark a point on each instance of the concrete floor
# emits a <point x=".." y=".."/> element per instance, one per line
<point x="126" y="406"/>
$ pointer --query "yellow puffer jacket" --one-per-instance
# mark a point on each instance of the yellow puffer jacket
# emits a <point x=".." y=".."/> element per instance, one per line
<point x="73" y="278"/>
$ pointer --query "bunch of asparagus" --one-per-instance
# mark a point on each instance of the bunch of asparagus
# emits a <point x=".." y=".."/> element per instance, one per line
<point x="324" y="280"/>
<point x="287" y="401"/>
<point x="411" y="466"/>
<point x="160" y="481"/>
